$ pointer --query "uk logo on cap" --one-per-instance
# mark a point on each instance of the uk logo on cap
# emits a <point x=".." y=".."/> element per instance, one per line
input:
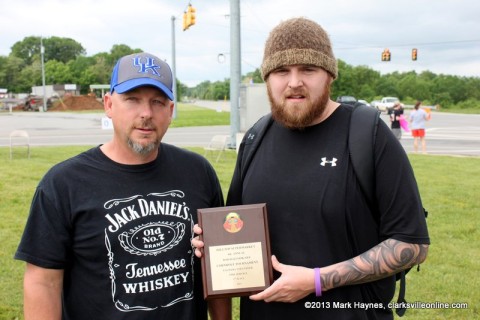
<point x="149" y="66"/>
<point x="141" y="69"/>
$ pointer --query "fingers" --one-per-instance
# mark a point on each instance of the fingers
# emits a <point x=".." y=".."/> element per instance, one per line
<point x="198" y="253"/>
<point x="275" y="264"/>
<point x="295" y="283"/>
<point x="196" y="242"/>
<point x="269" y="293"/>
<point x="197" y="229"/>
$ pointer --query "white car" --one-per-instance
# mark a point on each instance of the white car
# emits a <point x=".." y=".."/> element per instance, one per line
<point x="386" y="103"/>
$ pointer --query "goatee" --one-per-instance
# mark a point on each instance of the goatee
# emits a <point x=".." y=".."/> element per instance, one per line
<point x="143" y="149"/>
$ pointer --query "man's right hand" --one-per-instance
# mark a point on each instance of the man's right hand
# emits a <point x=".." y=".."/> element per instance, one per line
<point x="196" y="242"/>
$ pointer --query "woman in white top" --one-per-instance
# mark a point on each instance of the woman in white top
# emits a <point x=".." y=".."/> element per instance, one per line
<point x="418" y="117"/>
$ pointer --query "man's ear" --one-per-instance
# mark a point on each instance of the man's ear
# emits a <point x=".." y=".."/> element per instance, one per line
<point x="107" y="105"/>
<point x="172" y="106"/>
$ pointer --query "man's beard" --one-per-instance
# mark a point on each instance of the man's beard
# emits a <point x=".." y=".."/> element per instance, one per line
<point x="298" y="115"/>
<point x="140" y="148"/>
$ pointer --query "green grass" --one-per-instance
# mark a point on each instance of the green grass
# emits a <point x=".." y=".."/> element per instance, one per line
<point x="190" y="115"/>
<point x="449" y="188"/>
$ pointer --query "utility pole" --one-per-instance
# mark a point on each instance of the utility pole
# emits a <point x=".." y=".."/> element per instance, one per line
<point x="235" y="71"/>
<point x="174" y="71"/>
<point x="42" y="52"/>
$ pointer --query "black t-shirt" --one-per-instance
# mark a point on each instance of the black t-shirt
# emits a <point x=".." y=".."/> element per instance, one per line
<point x="318" y="215"/>
<point x="122" y="234"/>
<point x="395" y="117"/>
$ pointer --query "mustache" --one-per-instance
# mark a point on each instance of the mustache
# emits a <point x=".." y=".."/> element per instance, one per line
<point x="296" y="92"/>
<point x="145" y="124"/>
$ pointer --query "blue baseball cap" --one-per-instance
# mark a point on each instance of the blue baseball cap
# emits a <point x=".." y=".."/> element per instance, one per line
<point x="141" y="69"/>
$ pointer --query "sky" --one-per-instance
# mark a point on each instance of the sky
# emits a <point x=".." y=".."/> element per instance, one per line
<point x="445" y="32"/>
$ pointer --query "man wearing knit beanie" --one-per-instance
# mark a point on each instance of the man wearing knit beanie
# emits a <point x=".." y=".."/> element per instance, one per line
<point x="335" y="254"/>
<point x="299" y="46"/>
<point x="298" y="41"/>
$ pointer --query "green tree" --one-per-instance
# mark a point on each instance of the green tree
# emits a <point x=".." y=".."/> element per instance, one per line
<point x="26" y="49"/>
<point x="182" y="90"/>
<point x="344" y="84"/>
<point x="256" y="76"/>
<point x="201" y="90"/>
<point x="56" y="48"/>
<point x="57" y="72"/>
<point x="12" y="68"/>
<point x="414" y="87"/>
<point x="28" y="77"/>
<point x="79" y="65"/>
<point x="120" y="50"/>
<point x="102" y="68"/>
<point x="62" y="49"/>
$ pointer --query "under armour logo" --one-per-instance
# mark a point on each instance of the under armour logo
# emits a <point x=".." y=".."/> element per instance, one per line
<point x="332" y="162"/>
<point x="250" y="136"/>
<point x="145" y="67"/>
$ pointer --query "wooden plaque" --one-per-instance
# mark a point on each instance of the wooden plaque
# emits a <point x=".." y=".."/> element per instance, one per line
<point x="236" y="258"/>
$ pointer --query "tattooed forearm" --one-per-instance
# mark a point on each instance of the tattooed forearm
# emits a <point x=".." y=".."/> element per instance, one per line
<point x="387" y="258"/>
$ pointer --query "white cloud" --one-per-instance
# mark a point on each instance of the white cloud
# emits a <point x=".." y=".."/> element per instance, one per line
<point x="359" y="31"/>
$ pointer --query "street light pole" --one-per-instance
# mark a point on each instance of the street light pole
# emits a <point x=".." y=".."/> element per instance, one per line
<point x="174" y="70"/>
<point x="235" y="72"/>
<point x="42" y="52"/>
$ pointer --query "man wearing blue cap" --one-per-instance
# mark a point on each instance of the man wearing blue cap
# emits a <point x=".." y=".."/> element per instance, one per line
<point x="108" y="236"/>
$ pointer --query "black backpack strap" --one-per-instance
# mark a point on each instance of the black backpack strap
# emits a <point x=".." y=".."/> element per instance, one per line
<point x="361" y="144"/>
<point x="252" y="140"/>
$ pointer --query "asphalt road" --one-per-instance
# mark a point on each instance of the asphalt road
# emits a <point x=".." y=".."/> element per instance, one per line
<point x="449" y="134"/>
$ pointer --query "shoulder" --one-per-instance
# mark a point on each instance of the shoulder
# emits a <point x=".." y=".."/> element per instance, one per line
<point x="66" y="166"/>
<point x="68" y="172"/>
<point x="177" y="152"/>
<point x="183" y="157"/>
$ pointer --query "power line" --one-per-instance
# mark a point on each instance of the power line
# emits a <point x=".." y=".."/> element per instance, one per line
<point x="408" y="44"/>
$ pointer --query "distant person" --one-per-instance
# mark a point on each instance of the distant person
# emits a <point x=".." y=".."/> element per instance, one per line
<point x="418" y="117"/>
<point x="395" y="113"/>
<point x="108" y="236"/>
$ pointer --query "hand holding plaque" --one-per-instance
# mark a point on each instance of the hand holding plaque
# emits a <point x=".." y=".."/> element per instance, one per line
<point x="236" y="259"/>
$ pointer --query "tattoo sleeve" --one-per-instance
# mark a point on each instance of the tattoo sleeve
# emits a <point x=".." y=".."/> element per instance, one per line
<point x="387" y="258"/>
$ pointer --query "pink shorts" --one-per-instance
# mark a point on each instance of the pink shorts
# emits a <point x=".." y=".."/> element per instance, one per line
<point x="418" y="133"/>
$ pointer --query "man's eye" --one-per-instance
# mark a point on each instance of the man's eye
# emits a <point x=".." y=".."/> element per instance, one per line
<point x="158" y="102"/>
<point x="281" y="71"/>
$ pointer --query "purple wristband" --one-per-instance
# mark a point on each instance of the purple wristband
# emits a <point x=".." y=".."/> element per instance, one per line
<point x="318" y="283"/>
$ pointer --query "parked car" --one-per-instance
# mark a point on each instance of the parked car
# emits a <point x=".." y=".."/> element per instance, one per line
<point x="346" y="100"/>
<point x="386" y="103"/>
<point x="374" y="103"/>
<point x="364" y="102"/>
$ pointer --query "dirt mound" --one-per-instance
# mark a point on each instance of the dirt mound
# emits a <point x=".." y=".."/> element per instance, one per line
<point x="76" y="103"/>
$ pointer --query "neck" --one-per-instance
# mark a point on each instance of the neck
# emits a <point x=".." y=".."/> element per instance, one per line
<point x="125" y="155"/>
<point x="329" y="109"/>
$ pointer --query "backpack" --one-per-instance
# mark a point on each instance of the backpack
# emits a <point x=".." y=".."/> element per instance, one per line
<point x="361" y="142"/>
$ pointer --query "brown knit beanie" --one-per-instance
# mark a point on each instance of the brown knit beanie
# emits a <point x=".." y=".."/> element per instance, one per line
<point x="298" y="41"/>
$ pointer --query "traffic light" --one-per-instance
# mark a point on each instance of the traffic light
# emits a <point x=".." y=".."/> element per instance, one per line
<point x="414" y="54"/>
<point x="189" y="17"/>
<point x="192" y="11"/>
<point x="386" y="55"/>
<point x="185" y="26"/>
